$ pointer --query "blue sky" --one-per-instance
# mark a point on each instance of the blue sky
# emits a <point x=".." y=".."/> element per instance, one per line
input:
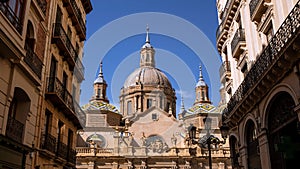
<point x="182" y="32"/>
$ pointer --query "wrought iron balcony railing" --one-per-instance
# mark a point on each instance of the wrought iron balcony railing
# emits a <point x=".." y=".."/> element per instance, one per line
<point x="76" y="17"/>
<point x="228" y="15"/>
<point x="63" y="97"/>
<point x="269" y="56"/>
<point x="219" y="30"/>
<point x="80" y="114"/>
<point x="63" y="42"/>
<point x="14" y="129"/>
<point x="224" y="68"/>
<point x="71" y="156"/>
<point x="58" y="94"/>
<point x="33" y="61"/>
<point x="11" y="16"/>
<point x="62" y="150"/>
<point x="48" y="142"/>
<point x="238" y="39"/>
<point x="226" y="9"/>
<point x="79" y="70"/>
<point x="257" y="9"/>
<point x="43" y="5"/>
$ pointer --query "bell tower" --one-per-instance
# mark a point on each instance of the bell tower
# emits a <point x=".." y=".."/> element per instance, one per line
<point x="100" y="86"/>
<point x="201" y="90"/>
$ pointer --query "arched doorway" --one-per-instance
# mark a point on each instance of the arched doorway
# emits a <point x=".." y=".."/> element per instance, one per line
<point x="283" y="136"/>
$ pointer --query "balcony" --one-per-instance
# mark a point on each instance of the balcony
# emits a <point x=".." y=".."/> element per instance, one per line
<point x="11" y="16"/>
<point x="80" y="114"/>
<point x="33" y="61"/>
<point x="62" y="150"/>
<point x="87" y="6"/>
<point x="257" y="9"/>
<point x="238" y="42"/>
<point x="229" y="13"/>
<point x="141" y="151"/>
<point x="79" y="70"/>
<point x="14" y="129"/>
<point x="225" y="71"/>
<point x="48" y="142"/>
<point x="220" y="33"/>
<point x="76" y="17"/>
<point x="275" y="60"/>
<point x="42" y="5"/>
<point x="60" y="97"/>
<point x="63" y="42"/>
<point x="71" y="156"/>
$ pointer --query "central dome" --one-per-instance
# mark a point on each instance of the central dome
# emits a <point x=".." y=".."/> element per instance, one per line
<point x="147" y="75"/>
<point x="147" y="86"/>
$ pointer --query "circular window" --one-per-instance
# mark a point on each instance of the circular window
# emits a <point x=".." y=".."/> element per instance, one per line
<point x="97" y="139"/>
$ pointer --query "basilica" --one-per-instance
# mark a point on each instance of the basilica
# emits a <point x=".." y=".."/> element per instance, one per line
<point x="145" y="132"/>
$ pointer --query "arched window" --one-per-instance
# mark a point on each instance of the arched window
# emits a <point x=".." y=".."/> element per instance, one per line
<point x="96" y="140"/>
<point x="252" y="146"/>
<point x="283" y="136"/>
<point x="129" y="107"/>
<point x="98" y="93"/>
<point x="29" y="41"/>
<point x="18" y="111"/>
<point x="147" y="58"/>
<point x="149" y="103"/>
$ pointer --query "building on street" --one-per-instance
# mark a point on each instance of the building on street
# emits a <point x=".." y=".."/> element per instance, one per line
<point x="41" y="45"/>
<point x="258" y="41"/>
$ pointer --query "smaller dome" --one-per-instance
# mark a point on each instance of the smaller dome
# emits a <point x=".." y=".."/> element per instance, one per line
<point x="147" y="45"/>
<point x="201" y="83"/>
<point x="99" y="80"/>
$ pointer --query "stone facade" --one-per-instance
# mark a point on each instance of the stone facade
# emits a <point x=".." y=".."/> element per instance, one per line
<point x="258" y="41"/>
<point x="38" y="121"/>
<point x="149" y="135"/>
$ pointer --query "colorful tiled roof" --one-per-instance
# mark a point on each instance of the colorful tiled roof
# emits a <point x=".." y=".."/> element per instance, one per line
<point x="202" y="108"/>
<point x="100" y="105"/>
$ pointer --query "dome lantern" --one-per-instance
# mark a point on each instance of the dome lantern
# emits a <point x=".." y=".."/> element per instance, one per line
<point x="147" y="52"/>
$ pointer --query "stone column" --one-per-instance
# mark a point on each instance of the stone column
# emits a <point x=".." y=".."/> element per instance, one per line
<point x="116" y="142"/>
<point x="264" y="149"/>
<point x="115" y="165"/>
<point x="91" y="165"/>
<point x="135" y="101"/>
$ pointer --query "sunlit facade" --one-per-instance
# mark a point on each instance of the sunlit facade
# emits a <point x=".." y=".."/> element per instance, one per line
<point x="258" y="41"/>
<point x="145" y="132"/>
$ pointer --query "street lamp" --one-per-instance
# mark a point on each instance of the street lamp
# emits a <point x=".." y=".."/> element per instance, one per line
<point x="207" y="139"/>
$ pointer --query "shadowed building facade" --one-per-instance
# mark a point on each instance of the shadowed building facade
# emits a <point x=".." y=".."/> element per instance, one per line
<point x="41" y="44"/>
